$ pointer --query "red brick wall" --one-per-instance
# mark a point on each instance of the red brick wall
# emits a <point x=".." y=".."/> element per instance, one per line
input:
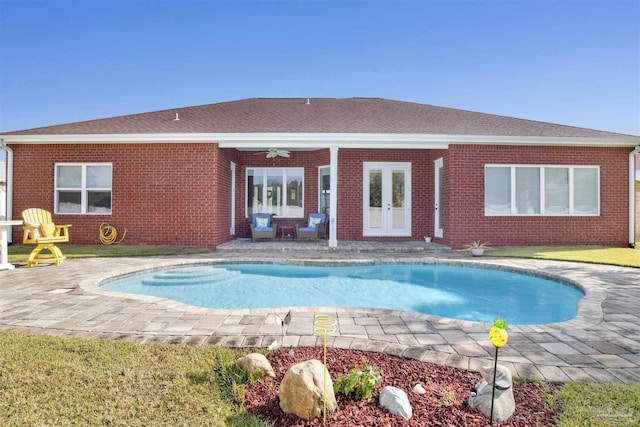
<point x="464" y="186"/>
<point x="185" y="197"/>
<point x="177" y="202"/>
<point x="350" y="170"/>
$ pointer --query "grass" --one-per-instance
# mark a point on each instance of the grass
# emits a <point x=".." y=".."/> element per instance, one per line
<point x="72" y="381"/>
<point x="599" y="404"/>
<point x="20" y="253"/>
<point x="625" y="257"/>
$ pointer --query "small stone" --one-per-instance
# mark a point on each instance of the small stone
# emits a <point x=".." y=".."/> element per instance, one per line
<point x="501" y="399"/>
<point x="396" y="401"/>
<point x="256" y="363"/>
<point x="418" y="389"/>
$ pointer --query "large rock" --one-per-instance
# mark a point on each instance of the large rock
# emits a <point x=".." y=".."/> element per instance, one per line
<point x="257" y="364"/>
<point x="480" y="397"/>
<point x="396" y="402"/>
<point x="301" y="391"/>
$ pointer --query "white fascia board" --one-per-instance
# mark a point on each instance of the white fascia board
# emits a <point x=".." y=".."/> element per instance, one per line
<point x="322" y="140"/>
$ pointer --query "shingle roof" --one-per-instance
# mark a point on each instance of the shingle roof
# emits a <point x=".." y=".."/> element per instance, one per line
<point x="319" y="115"/>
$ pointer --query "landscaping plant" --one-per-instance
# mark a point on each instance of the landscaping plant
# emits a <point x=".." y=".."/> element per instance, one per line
<point x="360" y="382"/>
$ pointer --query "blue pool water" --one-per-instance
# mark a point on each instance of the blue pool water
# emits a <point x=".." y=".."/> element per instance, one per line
<point x="475" y="294"/>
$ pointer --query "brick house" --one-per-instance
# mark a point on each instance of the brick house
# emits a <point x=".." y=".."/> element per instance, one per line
<point x="382" y="170"/>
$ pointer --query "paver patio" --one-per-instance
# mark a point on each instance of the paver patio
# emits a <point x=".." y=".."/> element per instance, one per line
<point x="601" y="344"/>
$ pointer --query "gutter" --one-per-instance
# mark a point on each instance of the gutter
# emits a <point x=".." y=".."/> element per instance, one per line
<point x="9" y="177"/>
<point x="632" y="197"/>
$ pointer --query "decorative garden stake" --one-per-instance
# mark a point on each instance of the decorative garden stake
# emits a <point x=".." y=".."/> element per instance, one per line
<point x="323" y="325"/>
<point x="498" y="337"/>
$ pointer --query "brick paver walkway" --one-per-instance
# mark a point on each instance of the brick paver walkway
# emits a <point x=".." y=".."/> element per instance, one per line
<point x="601" y="344"/>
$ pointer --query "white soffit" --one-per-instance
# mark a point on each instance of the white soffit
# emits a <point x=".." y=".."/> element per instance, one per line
<point x="248" y="141"/>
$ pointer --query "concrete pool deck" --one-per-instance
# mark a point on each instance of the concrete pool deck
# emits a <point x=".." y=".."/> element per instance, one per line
<point x="601" y="344"/>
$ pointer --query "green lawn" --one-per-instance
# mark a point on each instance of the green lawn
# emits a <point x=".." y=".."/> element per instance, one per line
<point x="20" y="253"/>
<point x="591" y="254"/>
<point x="56" y="381"/>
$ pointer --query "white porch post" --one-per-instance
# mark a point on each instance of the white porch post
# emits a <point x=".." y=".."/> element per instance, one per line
<point x="333" y="197"/>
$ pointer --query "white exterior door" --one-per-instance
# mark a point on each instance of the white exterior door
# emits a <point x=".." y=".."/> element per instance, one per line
<point x="387" y="199"/>
<point x="438" y="214"/>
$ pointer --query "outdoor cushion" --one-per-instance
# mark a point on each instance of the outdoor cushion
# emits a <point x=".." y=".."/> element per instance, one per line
<point x="263" y="229"/>
<point x="262" y="222"/>
<point x="314" y="220"/>
<point x="307" y="229"/>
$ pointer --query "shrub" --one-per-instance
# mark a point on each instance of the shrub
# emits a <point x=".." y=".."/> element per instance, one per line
<point x="359" y="383"/>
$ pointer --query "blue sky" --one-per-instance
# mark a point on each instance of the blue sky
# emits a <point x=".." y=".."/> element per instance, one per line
<point x="572" y="62"/>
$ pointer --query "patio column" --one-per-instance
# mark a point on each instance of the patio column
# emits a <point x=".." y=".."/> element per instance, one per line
<point x="333" y="197"/>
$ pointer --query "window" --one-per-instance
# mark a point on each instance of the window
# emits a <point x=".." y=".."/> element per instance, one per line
<point x="275" y="191"/>
<point x="83" y="188"/>
<point x="541" y="190"/>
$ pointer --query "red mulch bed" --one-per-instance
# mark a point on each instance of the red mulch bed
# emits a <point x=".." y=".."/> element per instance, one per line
<point x="430" y="409"/>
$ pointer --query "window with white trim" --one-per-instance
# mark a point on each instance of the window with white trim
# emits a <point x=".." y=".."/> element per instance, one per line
<point x="83" y="188"/>
<point x="276" y="191"/>
<point x="541" y="190"/>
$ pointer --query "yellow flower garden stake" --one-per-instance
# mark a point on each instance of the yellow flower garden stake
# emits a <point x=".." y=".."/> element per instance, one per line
<point x="498" y="336"/>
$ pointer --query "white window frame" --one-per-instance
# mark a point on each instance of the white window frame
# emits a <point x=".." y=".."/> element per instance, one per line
<point x="265" y="189"/>
<point x="542" y="168"/>
<point x="84" y="204"/>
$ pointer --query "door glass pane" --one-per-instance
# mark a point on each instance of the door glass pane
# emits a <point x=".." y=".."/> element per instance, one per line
<point x="375" y="199"/>
<point x="585" y="193"/>
<point x="69" y="202"/>
<point x="255" y="186"/>
<point x="99" y="176"/>
<point x="398" y="213"/>
<point x="294" y="193"/>
<point x="556" y="191"/>
<point x="528" y="191"/>
<point x="440" y="196"/>
<point x="69" y="177"/>
<point x="497" y="191"/>
<point x="325" y="190"/>
<point x="274" y="191"/>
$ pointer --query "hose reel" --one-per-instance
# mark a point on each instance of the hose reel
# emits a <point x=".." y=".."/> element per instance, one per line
<point x="109" y="234"/>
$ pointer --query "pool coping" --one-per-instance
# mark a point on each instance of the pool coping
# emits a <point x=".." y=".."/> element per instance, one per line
<point x="589" y="310"/>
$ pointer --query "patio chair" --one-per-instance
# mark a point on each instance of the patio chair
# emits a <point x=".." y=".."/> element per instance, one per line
<point x="263" y="227"/>
<point x="314" y="228"/>
<point x="40" y="230"/>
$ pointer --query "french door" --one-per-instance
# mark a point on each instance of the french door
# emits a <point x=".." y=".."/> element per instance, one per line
<point x="386" y="199"/>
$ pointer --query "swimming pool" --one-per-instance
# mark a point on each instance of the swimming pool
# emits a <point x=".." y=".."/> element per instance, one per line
<point x="466" y="293"/>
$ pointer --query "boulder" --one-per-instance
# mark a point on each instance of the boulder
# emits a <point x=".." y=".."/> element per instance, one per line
<point x="302" y="390"/>
<point x="504" y="403"/>
<point x="257" y="364"/>
<point x="396" y="401"/>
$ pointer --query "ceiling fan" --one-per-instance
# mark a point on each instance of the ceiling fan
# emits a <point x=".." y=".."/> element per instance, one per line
<point x="275" y="152"/>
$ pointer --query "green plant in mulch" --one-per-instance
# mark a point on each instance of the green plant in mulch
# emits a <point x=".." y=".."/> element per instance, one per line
<point x="360" y="382"/>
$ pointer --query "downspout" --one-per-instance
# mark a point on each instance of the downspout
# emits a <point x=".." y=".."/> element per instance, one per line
<point x="9" y="177"/>
<point x="632" y="197"/>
